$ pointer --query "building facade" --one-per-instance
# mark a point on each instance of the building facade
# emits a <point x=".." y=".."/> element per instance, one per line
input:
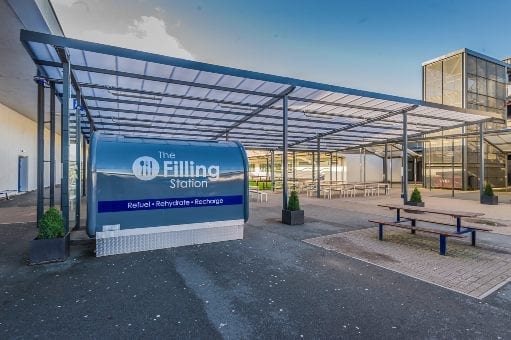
<point x="477" y="83"/>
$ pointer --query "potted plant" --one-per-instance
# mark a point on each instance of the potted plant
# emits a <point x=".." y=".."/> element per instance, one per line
<point x="415" y="199"/>
<point x="293" y="214"/>
<point x="52" y="242"/>
<point x="488" y="196"/>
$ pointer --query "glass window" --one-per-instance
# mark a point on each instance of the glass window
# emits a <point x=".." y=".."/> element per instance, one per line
<point x="472" y="84"/>
<point x="492" y="88"/>
<point x="481" y="85"/>
<point x="492" y="71"/>
<point x="471" y="65"/>
<point x="471" y="98"/>
<point x="492" y="102"/>
<point x="481" y="67"/>
<point x="482" y="101"/>
<point x="501" y="73"/>
<point x="452" y="81"/>
<point x="501" y="90"/>
<point x="433" y="81"/>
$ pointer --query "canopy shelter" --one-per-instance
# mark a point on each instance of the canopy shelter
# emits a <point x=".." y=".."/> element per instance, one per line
<point x="132" y="93"/>
<point x="501" y="141"/>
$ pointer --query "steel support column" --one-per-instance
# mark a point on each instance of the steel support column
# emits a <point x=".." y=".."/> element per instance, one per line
<point x="423" y="163"/>
<point x="415" y="170"/>
<point x="365" y="179"/>
<point x="84" y="167"/>
<point x="267" y="168"/>
<point x="481" y="161"/>
<point x="464" y="159"/>
<point x="318" y="175"/>
<point x="391" y="167"/>
<point x="336" y="165"/>
<point x="64" y="186"/>
<point x="429" y="166"/>
<point x="360" y="164"/>
<point x="273" y="170"/>
<point x="52" y="144"/>
<point x="284" y="152"/>
<point x="385" y="165"/>
<point x="40" y="149"/>
<point x="313" y="167"/>
<point x="331" y="161"/>
<point x="78" y="158"/>
<point x="294" y="170"/>
<point x="452" y="167"/>
<point x="405" y="158"/>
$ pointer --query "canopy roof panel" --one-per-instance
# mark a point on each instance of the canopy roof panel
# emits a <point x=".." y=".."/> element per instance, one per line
<point x="133" y="93"/>
<point x="502" y="141"/>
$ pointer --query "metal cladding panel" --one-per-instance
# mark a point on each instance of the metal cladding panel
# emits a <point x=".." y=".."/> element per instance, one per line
<point x="140" y="183"/>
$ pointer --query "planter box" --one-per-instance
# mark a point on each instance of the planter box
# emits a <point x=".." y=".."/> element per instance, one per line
<point x="490" y="200"/>
<point x="292" y="217"/>
<point x="415" y="204"/>
<point x="49" y="250"/>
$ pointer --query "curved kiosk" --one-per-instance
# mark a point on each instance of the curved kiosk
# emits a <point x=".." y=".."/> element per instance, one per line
<point x="149" y="194"/>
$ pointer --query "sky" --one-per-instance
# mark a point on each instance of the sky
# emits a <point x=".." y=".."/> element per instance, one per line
<point x="365" y="44"/>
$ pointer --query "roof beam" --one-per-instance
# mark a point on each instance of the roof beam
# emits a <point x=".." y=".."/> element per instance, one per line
<point x="268" y="103"/>
<point x="154" y="78"/>
<point x="418" y="136"/>
<point x="354" y="125"/>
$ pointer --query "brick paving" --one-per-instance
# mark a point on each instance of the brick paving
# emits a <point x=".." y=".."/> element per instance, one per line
<point x="474" y="271"/>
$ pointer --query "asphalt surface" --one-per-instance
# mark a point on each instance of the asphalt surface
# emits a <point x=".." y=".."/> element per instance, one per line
<point x="269" y="285"/>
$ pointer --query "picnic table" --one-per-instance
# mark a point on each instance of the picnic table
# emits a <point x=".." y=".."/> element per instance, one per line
<point x="258" y="194"/>
<point x="461" y="228"/>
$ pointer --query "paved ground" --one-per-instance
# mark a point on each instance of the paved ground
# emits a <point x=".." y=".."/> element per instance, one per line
<point x="475" y="271"/>
<point x="271" y="284"/>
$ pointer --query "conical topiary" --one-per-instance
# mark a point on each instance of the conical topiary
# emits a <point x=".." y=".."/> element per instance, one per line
<point x="488" y="190"/>
<point x="293" y="203"/>
<point x="416" y="196"/>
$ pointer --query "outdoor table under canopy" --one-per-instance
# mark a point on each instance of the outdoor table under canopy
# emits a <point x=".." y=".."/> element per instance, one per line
<point x="133" y="93"/>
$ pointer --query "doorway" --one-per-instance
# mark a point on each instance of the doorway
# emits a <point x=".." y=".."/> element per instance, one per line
<point x="22" y="173"/>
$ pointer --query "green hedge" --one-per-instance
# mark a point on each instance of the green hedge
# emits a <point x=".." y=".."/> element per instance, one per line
<point x="262" y="185"/>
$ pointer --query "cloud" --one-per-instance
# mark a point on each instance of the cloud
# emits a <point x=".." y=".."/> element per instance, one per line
<point x="147" y="34"/>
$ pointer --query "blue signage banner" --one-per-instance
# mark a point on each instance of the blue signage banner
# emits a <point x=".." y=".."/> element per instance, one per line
<point x="168" y="203"/>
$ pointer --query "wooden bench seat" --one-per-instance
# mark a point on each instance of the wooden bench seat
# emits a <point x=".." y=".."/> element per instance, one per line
<point x="445" y="223"/>
<point x="442" y="234"/>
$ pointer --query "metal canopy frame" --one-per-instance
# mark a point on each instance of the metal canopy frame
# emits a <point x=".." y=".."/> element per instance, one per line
<point x="167" y="97"/>
<point x="133" y="93"/>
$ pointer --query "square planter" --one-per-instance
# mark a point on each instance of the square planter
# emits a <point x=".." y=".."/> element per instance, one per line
<point x="292" y="217"/>
<point x="49" y="250"/>
<point x="490" y="200"/>
<point x="415" y="204"/>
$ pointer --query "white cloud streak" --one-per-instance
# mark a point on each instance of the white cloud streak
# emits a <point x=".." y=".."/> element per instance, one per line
<point x="147" y="34"/>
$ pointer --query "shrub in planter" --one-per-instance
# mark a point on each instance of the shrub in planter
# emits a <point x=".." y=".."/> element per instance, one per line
<point x="488" y="196"/>
<point x="52" y="243"/>
<point x="293" y="214"/>
<point x="51" y="225"/>
<point x="415" y="199"/>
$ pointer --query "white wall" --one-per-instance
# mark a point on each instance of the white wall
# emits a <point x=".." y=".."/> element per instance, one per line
<point x="374" y="168"/>
<point x="396" y="170"/>
<point x="18" y="137"/>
